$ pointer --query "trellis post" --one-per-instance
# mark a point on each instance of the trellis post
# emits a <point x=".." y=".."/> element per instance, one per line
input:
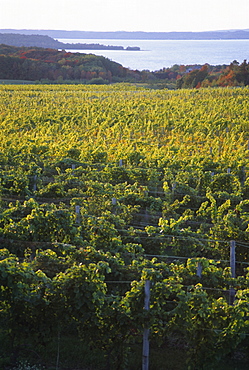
<point x="232" y="266"/>
<point x="199" y="269"/>
<point x="77" y="211"/>
<point x="145" y="360"/>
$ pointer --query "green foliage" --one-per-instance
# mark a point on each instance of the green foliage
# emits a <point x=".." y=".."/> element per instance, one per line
<point x="103" y="188"/>
<point x="38" y="223"/>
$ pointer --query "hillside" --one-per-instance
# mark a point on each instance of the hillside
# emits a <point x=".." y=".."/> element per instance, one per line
<point x="44" y="41"/>
<point x="51" y="65"/>
<point x="36" y="64"/>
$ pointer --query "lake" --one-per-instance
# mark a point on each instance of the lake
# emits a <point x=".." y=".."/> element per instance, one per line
<point x="157" y="54"/>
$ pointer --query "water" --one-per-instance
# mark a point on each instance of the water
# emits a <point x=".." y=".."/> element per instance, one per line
<point x="157" y="54"/>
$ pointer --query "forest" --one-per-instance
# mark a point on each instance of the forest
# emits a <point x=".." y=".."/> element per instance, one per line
<point x="42" y="65"/>
<point x="48" y="65"/>
<point x="107" y="191"/>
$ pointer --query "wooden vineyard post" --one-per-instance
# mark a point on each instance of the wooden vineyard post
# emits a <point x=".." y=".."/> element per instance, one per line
<point x="199" y="269"/>
<point x="114" y="205"/>
<point x="73" y="168"/>
<point x="35" y="180"/>
<point x="77" y="211"/>
<point x="243" y="176"/>
<point x="145" y="359"/>
<point x="232" y="266"/>
<point x="173" y="190"/>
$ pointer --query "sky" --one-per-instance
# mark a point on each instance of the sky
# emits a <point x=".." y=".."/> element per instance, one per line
<point x="125" y="15"/>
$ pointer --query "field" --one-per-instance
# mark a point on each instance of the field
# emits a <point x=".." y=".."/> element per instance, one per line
<point x="105" y="189"/>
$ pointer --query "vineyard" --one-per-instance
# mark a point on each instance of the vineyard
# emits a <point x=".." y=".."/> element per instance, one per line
<point x="105" y="189"/>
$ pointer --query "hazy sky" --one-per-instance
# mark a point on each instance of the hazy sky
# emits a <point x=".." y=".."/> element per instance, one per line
<point x="125" y="15"/>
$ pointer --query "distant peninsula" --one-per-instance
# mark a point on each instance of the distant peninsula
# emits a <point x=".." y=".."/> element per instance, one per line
<point x="45" y="41"/>
<point x="138" y="35"/>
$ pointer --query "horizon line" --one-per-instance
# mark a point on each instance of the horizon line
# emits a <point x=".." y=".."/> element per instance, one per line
<point x="119" y="31"/>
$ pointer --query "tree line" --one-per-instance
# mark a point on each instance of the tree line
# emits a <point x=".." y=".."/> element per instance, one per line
<point x="39" y="64"/>
<point x="51" y="65"/>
